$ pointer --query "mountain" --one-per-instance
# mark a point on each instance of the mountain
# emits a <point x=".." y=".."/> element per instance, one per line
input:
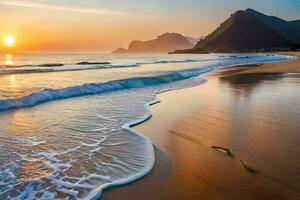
<point x="163" y="43"/>
<point x="242" y="32"/>
<point x="288" y="29"/>
<point x="192" y="40"/>
<point x="120" y="51"/>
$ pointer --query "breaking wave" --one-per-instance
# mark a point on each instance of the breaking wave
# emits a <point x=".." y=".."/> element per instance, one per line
<point x="97" y="88"/>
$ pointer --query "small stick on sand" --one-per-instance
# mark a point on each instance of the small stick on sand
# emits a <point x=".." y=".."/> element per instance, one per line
<point x="249" y="169"/>
<point x="224" y="150"/>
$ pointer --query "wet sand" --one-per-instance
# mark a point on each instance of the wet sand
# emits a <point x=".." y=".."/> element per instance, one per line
<point x="251" y="112"/>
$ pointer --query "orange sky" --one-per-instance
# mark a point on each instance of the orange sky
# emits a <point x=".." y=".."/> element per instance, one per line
<point x="90" y="25"/>
<point x="42" y="29"/>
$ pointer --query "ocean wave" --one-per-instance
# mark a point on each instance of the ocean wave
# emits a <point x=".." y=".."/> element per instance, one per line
<point x="50" y="65"/>
<point x="86" y="65"/>
<point x="37" y="65"/>
<point x="46" y="70"/>
<point x="101" y="63"/>
<point x="55" y="67"/>
<point x="93" y="63"/>
<point x="97" y="88"/>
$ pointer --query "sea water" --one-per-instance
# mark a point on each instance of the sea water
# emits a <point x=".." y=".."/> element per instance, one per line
<point x="65" y="126"/>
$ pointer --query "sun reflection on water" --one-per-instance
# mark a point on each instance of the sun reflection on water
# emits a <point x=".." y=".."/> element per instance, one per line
<point x="21" y="123"/>
<point x="13" y="81"/>
<point x="9" y="59"/>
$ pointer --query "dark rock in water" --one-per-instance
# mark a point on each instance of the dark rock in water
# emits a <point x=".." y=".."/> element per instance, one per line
<point x="120" y="51"/>
<point x="93" y="63"/>
<point x="51" y="65"/>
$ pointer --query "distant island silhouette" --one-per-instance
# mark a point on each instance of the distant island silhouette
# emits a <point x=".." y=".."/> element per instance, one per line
<point x="162" y="44"/>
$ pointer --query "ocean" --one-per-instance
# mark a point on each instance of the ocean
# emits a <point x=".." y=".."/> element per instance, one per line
<point x="65" y="119"/>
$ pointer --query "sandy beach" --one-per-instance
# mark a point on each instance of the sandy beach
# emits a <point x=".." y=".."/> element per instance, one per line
<point x="234" y="137"/>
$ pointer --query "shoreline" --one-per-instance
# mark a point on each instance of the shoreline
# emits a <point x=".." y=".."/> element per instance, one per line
<point x="97" y="192"/>
<point x="129" y="190"/>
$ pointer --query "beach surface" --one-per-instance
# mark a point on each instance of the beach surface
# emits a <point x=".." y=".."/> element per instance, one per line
<point x="234" y="137"/>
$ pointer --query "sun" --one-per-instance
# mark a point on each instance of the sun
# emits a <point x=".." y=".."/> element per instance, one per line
<point x="9" y="40"/>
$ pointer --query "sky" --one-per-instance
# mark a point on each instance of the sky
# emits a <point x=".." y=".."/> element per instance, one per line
<point x="103" y="25"/>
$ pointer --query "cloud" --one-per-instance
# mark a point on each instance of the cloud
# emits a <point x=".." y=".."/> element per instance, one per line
<point x="93" y="11"/>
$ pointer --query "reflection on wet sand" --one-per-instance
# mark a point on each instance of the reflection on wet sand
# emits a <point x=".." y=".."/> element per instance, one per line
<point x="257" y="117"/>
<point x="246" y="83"/>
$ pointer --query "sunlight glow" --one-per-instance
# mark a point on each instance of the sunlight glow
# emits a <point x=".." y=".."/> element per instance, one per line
<point x="9" y="40"/>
